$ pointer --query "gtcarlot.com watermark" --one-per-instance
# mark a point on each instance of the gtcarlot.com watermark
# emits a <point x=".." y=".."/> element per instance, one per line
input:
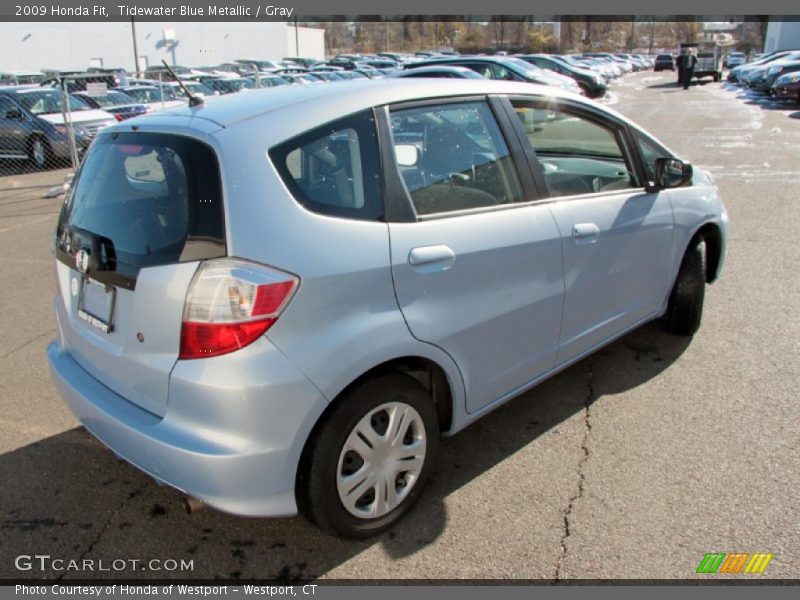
<point x="45" y="562"/>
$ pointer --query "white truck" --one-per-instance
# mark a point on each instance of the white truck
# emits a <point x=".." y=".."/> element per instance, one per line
<point x="709" y="59"/>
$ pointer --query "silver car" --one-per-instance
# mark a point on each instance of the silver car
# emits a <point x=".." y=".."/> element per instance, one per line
<point x="281" y="300"/>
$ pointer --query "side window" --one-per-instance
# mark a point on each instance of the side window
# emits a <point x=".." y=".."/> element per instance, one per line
<point x="334" y="169"/>
<point x="5" y="106"/>
<point x="577" y="155"/>
<point x="650" y="151"/>
<point x="501" y="73"/>
<point x="453" y="157"/>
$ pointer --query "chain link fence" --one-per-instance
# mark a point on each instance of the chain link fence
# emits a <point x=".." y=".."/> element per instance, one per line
<point x="46" y="129"/>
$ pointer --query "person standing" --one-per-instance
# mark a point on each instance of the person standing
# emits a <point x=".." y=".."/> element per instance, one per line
<point x="686" y="63"/>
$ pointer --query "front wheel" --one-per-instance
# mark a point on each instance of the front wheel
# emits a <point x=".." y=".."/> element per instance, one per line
<point x="685" y="307"/>
<point x="371" y="458"/>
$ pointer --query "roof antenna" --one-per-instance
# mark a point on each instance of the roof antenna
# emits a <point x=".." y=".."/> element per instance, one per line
<point x="193" y="100"/>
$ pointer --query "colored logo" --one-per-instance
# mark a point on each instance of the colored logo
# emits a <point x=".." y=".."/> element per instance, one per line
<point x="735" y="562"/>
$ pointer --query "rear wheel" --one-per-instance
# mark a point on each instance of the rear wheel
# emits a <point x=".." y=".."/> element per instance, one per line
<point x="585" y="89"/>
<point x="685" y="307"/>
<point x="371" y="458"/>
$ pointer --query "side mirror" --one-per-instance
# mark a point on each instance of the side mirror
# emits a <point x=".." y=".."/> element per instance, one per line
<point x="406" y="155"/>
<point x="670" y="173"/>
<point x="15" y="114"/>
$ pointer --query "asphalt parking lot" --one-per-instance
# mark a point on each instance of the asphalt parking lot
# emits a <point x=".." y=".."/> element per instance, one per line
<point x="631" y="464"/>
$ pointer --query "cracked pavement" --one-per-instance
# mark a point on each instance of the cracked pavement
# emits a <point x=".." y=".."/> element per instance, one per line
<point x="631" y="464"/>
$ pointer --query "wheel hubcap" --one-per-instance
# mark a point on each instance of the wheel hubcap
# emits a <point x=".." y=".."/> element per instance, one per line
<point x="381" y="460"/>
<point x="38" y="152"/>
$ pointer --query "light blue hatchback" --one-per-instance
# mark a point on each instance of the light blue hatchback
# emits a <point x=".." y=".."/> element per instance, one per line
<point x="280" y="300"/>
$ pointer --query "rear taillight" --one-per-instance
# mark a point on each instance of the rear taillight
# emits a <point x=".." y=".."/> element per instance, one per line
<point x="119" y="117"/>
<point x="230" y="304"/>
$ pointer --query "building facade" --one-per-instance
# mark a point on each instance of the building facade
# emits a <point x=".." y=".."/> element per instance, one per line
<point x="782" y="35"/>
<point x="32" y="46"/>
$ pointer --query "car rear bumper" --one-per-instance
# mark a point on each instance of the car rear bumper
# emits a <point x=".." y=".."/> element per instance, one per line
<point x="233" y="433"/>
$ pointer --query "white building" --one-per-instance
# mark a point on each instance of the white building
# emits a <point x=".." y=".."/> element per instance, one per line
<point x="32" y="46"/>
<point x="782" y="35"/>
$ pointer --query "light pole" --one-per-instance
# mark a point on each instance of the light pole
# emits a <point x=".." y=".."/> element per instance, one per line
<point x="135" y="51"/>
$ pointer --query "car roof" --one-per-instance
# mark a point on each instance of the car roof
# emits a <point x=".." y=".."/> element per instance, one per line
<point x="317" y="104"/>
<point x="27" y="89"/>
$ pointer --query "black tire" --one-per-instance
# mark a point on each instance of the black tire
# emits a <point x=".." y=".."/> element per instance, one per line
<point x="685" y="307"/>
<point x="317" y="493"/>
<point x="39" y="152"/>
<point x="584" y="87"/>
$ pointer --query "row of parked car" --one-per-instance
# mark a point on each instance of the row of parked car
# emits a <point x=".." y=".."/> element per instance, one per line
<point x="34" y="123"/>
<point x="776" y="74"/>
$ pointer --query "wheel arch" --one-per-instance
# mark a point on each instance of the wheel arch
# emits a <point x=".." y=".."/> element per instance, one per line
<point x="711" y="234"/>
<point x="428" y="372"/>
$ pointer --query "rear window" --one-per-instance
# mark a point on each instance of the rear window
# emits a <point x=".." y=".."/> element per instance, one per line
<point x="143" y="200"/>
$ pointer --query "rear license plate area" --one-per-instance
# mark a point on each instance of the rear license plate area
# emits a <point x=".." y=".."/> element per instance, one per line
<point x="96" y="304"/>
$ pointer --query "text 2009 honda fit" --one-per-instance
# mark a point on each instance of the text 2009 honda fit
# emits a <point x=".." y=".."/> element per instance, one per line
<point x="279" y="300"/>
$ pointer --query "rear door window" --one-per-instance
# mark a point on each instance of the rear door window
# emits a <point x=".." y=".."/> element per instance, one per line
<point x="142" y="200"/>
<point x="453" y="157"/>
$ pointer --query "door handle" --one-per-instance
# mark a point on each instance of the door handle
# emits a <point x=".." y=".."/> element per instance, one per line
<point x="432" y="258"/>
<point x="585" y="233"/>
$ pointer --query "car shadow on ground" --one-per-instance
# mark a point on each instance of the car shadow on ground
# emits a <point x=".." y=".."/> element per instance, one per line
<point x="67" y="496"/>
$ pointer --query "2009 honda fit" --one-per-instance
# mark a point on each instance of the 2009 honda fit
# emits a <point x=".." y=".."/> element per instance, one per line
<point x="280" y="300"/>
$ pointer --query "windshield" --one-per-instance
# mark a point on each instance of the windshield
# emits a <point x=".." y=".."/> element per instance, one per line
<point x="113" y="98"/>
<point x="48" y="102"/>
<point x="523" y="64"/>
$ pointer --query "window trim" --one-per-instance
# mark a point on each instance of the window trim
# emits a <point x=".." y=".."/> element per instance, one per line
<point x="399" y="204"/>
<point x="620" y="130"/>
<point x="373" y="209"/>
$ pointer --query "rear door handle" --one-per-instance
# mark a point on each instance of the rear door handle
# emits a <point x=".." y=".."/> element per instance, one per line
<point x="585" y="233"/>
<point x="431" y="258"/>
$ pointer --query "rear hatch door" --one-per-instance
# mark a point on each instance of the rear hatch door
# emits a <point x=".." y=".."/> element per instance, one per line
<point x="145" y="208"/>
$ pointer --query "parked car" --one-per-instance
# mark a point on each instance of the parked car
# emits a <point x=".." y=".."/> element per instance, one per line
<point x="734" y="59"/>
<point x="32" y="125"/>
<point x="664" y="62"/>
<point x="464" y="249"/>
<point x="195" y="88"/>
<point x="14" y="78"/>
<point x="608" y="72"/>
<point x="117" y="103"/>
<point x="303" y="62"/>
<point x="787" y="87"/>
<point x="505" y="68"/>
<point x="762" y="77"/>
<point x="117" y="75"/>
<point x="591" y="84"/>
<point x="229" y="86"/>
<point x="739" y="74"/>
<point x="155" y="97"/>
<point x="328" y="76"/>
<point x="266" y="80"/>
<point x="264" y="65"/>
<point x="442" y="71"/>
<point x="161" y="73"/>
